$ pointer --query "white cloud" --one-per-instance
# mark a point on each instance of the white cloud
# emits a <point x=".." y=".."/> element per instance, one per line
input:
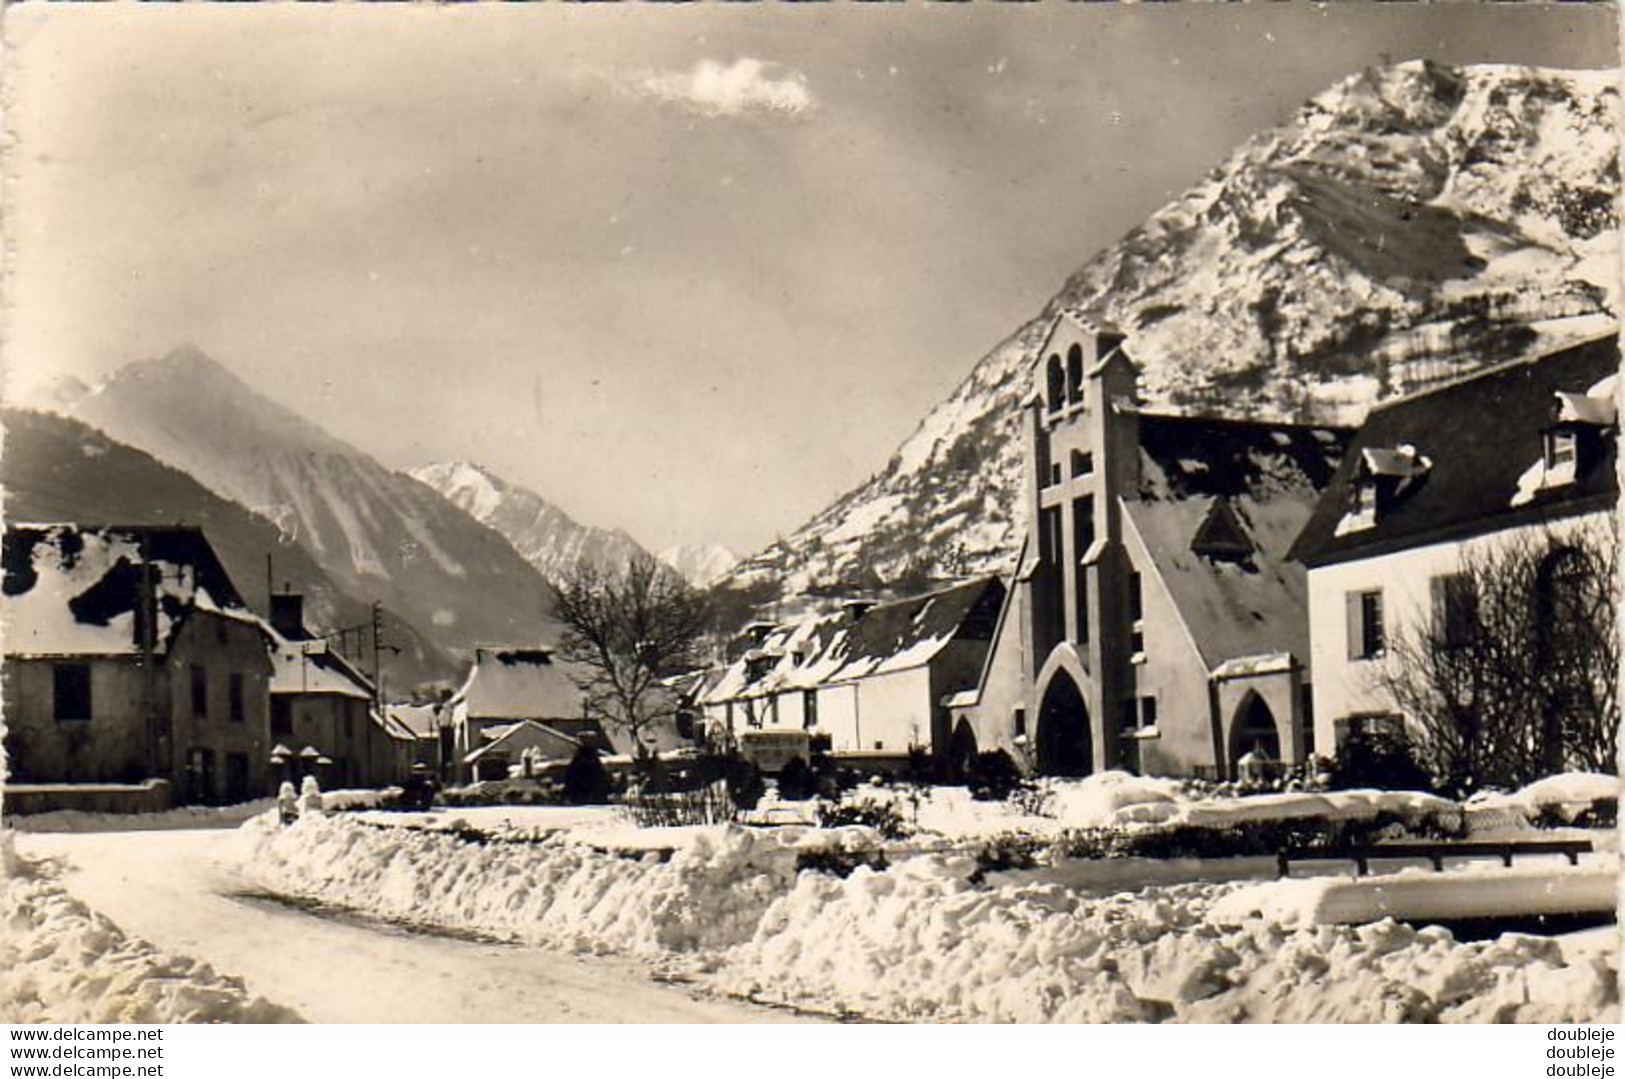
<point x="745" y="86"/>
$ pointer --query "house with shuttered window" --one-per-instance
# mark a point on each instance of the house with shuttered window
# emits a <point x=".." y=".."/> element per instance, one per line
<point x="1522" y="453"/>
<point x="130" y="656"/>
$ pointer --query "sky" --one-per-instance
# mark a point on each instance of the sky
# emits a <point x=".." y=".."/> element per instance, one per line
<point x="691" y="271"/>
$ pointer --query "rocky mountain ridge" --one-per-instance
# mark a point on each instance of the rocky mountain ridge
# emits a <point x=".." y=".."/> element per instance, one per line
<point x="1409" y="224"/>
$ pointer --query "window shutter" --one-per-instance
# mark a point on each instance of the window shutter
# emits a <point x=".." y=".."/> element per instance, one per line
<point x="1440" y="587"/>
<point x="1351" y="624"/>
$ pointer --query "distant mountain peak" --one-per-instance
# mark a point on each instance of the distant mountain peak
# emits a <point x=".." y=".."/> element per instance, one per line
<point x="379" y="534"/>
<point x="544" y="535"/>
<point x="700" y="564"/>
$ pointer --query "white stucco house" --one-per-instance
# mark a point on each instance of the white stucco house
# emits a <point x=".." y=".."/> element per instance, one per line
<point x="1520" y="453"/>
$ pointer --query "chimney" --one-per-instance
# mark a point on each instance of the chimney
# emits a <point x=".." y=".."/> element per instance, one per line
<point x="288" y="616"/>
<point x="856" y="608"/>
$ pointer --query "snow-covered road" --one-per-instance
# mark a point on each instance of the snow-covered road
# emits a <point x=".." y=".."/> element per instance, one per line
<point x="169" y="888"/>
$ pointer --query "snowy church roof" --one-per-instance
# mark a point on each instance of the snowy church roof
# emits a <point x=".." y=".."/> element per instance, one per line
<point x="1220" y="504"/>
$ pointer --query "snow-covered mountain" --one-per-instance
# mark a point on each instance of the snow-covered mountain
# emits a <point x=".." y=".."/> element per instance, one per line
<point x="700" y="564"/>
<point x="1405" y="225"/>
<point x="547" y="537"/>
<point x="379" y="534"/>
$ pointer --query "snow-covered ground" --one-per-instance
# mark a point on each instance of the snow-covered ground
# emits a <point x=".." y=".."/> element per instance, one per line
<point x="61" y="962"/>
<point x="928" y="937"/>
<point x="73" y="820"/>
<point x="172" y="888"/>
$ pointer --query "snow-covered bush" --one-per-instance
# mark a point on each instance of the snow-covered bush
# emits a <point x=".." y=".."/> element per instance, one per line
<point x="1010" y="850"/>
<point x="993" y="776"/>
<point x="505" y="792"/>
<point x="1255" y="838"/>
<point x="796" y="782"/>
<point x="884" y="817"/>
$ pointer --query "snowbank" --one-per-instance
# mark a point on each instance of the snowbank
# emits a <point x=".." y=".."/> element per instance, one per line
<point x="919" y="943"/>
<point x="62" y="963"/>
<point x="1570" y="794"/>
<point x="73" y="820"/>
<point x="1477" y="891"/>
<point x="708" y="894"/>
<point x="919" y="940"/>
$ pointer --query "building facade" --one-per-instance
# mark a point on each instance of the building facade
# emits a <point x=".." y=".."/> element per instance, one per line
<point x="872" y="679"/>
<point x="323" y="709"/>
<point x="130" y="656"/>
<point x="1155" y="622"/>
<point x="505" y="688"/>
<point x="1521" y="456"/>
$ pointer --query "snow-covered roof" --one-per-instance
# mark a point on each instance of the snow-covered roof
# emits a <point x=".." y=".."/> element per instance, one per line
<point x="527" y="734"/>
<point x="886" y="638"/>
<point x="1243" y="666"/>
<point x="1268" y="478"/>
<point x="422" y="720"/>
<point x="313" y="667"/>
<point x="74" y="589"/>
<point x="1485" y="438"/>
<point x="517" y="683"/>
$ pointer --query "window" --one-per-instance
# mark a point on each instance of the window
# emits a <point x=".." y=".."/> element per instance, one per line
<point x="1055" y="474"/>
<point x="1366" y="636"/>
<point x="1136" y="615"/>
<point x="281" y="716"/>
<point x="1020" y="721"/>
<point x="1308" y="698"/>
<point x="234" y="697"/>
<point x="1083" y="464"/>
<point x="1049" y="535"/>
<point x="809" y="709"/>
<point x="1074" y="375"/>
<point x="1455" y="609"/>
<point x="1363" y="505"/>
<point x="1056" y="379"/>
<point x="70" y="691"/>
<point x="1148" y="712"/>
<point x="1083" y="537"/>
<point x="200" y="691"/>
<point x="1562" y="451"/>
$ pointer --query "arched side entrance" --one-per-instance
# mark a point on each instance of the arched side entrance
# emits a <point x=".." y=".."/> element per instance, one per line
<point x="962" y="750"/>
<point x="1064" y="747"/>
<point x="1254" y="731"/>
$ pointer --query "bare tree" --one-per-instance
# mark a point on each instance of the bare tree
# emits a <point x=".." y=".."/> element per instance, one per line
<point x="1513" y="676"/>
<point x="626" y="631"/>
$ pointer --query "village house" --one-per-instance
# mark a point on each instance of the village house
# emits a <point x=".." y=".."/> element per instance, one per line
<point x="1155" y="622"/>
<point x="870" y="679"/>
<point x="516" y="705"/>
<point x="323" y="716"/>
<point x="130" y="656"/>
<point x="430" y="729"/>
<point x="1522" y="453"/>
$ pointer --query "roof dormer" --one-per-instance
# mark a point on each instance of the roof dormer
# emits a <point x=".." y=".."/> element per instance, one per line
<point x="1383" y="478"/>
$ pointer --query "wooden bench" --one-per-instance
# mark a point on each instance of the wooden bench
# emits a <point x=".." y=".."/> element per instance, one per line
<point x="1436" y="853"/>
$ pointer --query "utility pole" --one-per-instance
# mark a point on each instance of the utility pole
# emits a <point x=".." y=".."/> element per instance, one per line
<point x="377" y="642"/>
